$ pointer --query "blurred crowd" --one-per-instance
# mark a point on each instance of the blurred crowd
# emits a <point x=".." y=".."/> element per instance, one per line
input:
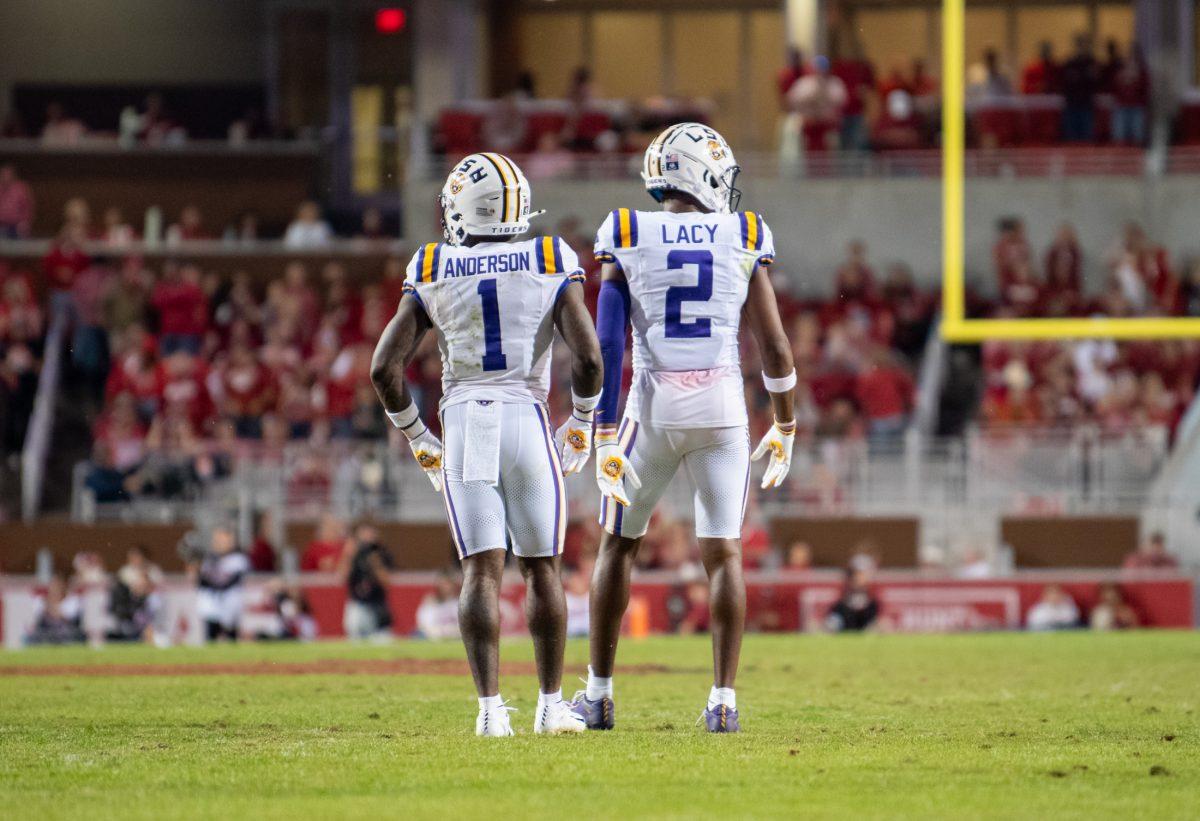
<point x="148" y="123"/>
<point x="842" y="102"/>
<point x="1116" y="386"/>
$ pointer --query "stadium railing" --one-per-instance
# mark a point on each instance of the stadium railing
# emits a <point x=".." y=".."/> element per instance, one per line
<point x="957" y="487"/>
<point x="36" y="448"/>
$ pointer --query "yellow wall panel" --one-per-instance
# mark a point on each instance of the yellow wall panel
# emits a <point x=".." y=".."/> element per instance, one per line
<point x="710" y="73"/>
<point x="1115" y="23"/>
<point x="1057" y="24"/>
<point x="628" y="54"/>
<point x="891" y="38"/>
<point x="767" y="53"/>
<point x="984" y="28"/>
<point x="551" y="48"/>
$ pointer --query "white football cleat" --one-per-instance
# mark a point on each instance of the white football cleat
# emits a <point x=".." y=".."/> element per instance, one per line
<point x="559" y="717"/>
<point x="494" y="722"/>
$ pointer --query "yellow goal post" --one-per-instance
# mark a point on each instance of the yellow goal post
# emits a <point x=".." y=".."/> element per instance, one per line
<point x="956" y="327"/>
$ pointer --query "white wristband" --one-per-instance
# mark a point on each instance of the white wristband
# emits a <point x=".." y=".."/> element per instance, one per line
<point x="782" y="384"/>
<point x="585" y="403"/>
<point x="405" y="419"/>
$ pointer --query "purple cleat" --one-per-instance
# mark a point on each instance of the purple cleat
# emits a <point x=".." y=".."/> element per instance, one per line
<point x="598" y="714"/>
<point x="722" y="719"/>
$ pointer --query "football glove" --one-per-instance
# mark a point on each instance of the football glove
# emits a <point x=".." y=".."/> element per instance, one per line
<point x="778" y="442"/>
<point x="427" y="448"/>
<point x="574" y="439"/>
<point x="613" y="468"/>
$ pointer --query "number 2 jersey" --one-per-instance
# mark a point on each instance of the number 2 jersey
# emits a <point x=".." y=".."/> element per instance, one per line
<point x="492" y="305"/>
<point x="688" y="275"/>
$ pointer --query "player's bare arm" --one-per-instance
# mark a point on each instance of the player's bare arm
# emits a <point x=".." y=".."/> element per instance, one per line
<point x="761" y="313"/>
<point x="397" y="346"/>
<point x="574" y="323"/>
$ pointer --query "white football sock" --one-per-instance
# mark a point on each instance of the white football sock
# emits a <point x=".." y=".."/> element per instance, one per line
<point x="546" y="699"/>
<point x="722" y="695"/>
<point x="490" y="702"/>
<point x="598" y="688"/>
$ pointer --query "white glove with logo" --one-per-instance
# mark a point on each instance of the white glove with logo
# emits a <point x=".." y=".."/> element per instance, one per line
<point x="574" y="439"/>
<point x="428" y="450"/>
<point x="778" y="442"/>
<point x="612" y="468"/>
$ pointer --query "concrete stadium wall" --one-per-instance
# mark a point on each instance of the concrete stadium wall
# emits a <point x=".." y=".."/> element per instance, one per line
<point x="900" y="219"/>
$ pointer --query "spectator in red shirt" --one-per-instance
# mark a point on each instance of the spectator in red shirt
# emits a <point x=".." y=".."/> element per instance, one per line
<point x="120" y="430"/>
<point x="1010" y="252"/>
<point x="65" y="259"/>
<point x="897" y="128"/>
<point x="182" y="309"/>
<point x="696" y="614"/>
<point x="858" y="76"/>
<point x="21" y="318"/>
<point x="921" y="84"/>
<point x="1130" y="88"/>
<point x="248" y="390"/>
<point x="322" y="553"/>
<point x="1064" y="273"/>
<point x="16" y="205"/>
<point x="789" y="74"/>
<point x="884" y="391"/>
<point x="134" y="371"/>
<point x="1151" y="555"/>
<point x="89" y="344"/>
<point x="183" y="388"/>
<point x="262" y="551"/>
<point x="855" y="278"/>
<point x="819" y="99"/>
<point x="393" y="282"/>
<point x="1041" y="76"/>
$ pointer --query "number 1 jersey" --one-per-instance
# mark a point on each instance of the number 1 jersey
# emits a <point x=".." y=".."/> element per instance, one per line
<point x="688" y="275"/>
<point x="492" y="305"/>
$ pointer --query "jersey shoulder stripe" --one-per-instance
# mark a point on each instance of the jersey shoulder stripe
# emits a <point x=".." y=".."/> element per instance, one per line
<point x="625" y="228"/>
<point x="549" y="255"/>
<point x="427" y="262"/>
<point x="752" y="230"/>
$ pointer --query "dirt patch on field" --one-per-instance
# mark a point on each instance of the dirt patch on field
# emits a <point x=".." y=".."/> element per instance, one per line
<point x="335" y="667"/>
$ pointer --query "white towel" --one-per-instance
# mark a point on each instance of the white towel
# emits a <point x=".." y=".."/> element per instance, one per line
<point x="481" y="443"/>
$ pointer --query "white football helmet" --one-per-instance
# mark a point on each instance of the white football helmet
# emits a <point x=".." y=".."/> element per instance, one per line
<point x="694" y="159"/>
<point x="486" y="195"/>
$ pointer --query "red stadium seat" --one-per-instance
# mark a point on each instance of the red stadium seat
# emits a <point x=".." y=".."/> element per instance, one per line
<point x="1189" y="123"/>
<point x="996" y="126"/>
<point x="591" y="125"/>
<point x="459" y="132"/>
<point x="542" y="122"/>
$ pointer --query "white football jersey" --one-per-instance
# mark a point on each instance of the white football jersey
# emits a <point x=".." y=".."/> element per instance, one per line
<point x="492" y="305"/>
<point x="688" y="275"/>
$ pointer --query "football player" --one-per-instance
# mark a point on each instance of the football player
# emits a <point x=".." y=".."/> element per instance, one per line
<point x="495" y="300"/>
<point x="684" y="277"/>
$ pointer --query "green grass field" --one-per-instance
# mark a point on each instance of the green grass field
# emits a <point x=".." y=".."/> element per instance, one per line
<point x="995" y="726"/>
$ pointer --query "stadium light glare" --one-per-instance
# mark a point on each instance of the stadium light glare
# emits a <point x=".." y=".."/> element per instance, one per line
<point x="956" y="327"/>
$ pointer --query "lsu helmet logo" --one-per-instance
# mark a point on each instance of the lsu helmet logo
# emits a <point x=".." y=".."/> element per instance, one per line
<point x="715" y="150"/>
<point x="456" y="184"/>
<point x="613" y="467"/>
